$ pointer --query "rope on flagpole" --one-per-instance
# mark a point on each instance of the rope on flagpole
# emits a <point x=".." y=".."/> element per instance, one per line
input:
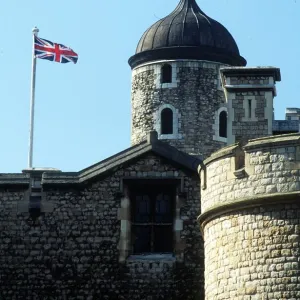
<point x="35" y="31"/>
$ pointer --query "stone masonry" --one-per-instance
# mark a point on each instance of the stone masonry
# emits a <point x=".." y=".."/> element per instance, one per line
<point x="195" y="93"/>
<point x="73" y="251"/>
<point x="249" y="96"/>
<point x="251" y="220"/>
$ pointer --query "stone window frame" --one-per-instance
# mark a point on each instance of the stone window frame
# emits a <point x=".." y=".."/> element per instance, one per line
<point x="253" y="117"/>
<point x="216" y="136"/>
<point x="158" y="73"/>
<point x="176" y="123"/>
<point x="159" y="232"/>
<point x="124" y="215"/>
<point x="219" y="79"/>
<point x="167" y="121"/>
<point x="166" y="74"/>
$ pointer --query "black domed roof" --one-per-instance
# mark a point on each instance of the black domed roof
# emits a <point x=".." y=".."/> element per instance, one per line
<point x="187" y="33"/>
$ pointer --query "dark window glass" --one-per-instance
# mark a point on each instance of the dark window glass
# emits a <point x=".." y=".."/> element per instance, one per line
<point x="141" y="236"/>
<point x="163" y="209"/>
<point x="166" y="74"/>
<point x="166" y="121"/>
<point x="223" y="124"/>
<point x="250" y="108"/>
<point x="152" y="218"/>
<point x="163" y="238"/>
<point x="142" y="209"/>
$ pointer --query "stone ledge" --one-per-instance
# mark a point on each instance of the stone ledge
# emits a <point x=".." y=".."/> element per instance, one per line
<point x="245" y="87"/>
<point x="273" y="141"/>
<point x="228" y="151"/>
<point x="244" y="203"/>
<point x="252" y="71"/>
<point x="285" y="140"/>
<point x="152" y="257"/>
<point x="14" y="179"/>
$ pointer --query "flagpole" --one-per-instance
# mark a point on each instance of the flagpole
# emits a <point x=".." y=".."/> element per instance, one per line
<point x="35" y="31"/>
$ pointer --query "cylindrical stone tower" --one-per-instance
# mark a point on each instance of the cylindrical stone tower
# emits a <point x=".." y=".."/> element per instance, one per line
<point x="176" y="87"/>
<point x="250" y="220"/>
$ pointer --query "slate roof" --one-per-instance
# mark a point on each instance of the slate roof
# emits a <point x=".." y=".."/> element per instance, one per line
<point x="104" y="167"/>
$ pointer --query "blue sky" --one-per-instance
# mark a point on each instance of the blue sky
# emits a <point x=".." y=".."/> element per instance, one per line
<point x="82" y="111"/>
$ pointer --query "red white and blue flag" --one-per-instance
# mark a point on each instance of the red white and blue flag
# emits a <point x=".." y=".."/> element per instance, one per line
<point x="45" y="49"/>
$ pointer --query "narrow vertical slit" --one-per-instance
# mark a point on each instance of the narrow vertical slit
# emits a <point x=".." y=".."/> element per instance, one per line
<point x="250" y="108"/>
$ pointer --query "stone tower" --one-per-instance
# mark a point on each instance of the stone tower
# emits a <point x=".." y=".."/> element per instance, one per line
<point x="250" y="220"/>
<point x="176" y="87"/>
<point x="249" y="94"/>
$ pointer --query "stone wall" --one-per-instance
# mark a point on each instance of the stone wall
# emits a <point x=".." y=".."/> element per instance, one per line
<point x="195" y="93"/>
<point x="243" y="126"/>
<point x="249" y="95"/>
<point x="250" y="220"/>
<point x="253" y="254"/>
<point x="271" y="165"/>
<point x="73" y="252"/>
<point x="285" y="126"/>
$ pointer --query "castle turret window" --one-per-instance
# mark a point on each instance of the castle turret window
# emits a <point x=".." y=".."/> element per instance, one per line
<point x="166" y="121"/>
<point x="220" y="125"/>
<point x="166" y="74"/>
<point x="223" y="124"/>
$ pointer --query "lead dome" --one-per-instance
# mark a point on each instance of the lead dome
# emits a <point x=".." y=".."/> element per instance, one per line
<point x="187" y="33"/>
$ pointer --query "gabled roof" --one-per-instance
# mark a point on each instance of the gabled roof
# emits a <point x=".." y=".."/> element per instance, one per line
<point x="152" y="144"/>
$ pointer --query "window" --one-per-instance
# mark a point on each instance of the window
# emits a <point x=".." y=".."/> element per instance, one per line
<point x="223" y="124"/>
<point x="152" y="218"/>
<point x="220" y="125"/>
<point x="166" y="74"/>
<point x="166" y="121"/>
<point x="249" y="108"/>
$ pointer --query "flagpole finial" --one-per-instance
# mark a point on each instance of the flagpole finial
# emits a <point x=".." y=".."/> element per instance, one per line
<point x="35" y="30"/>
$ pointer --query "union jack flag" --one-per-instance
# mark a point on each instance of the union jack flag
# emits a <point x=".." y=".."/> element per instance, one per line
<point x="45" y="49"/>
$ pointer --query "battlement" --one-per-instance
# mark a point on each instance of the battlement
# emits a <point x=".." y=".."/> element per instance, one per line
<point x="250" y="219"/>
<point x="262" y="167"/>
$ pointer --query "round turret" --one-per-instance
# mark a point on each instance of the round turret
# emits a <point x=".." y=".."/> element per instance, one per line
<point x="176" y="86"/>
<point x="250" y="220"/>
<point x="187" y="33"/>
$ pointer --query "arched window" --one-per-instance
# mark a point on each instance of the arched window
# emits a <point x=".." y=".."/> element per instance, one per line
<point x="223" y="124"/>
<point x="166" y="121"/>
<point x="166" y="74"/>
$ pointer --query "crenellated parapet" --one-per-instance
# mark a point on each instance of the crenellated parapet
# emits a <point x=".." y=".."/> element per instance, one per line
<point x="250" y="219"/>
<point x="261" y="168"/>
